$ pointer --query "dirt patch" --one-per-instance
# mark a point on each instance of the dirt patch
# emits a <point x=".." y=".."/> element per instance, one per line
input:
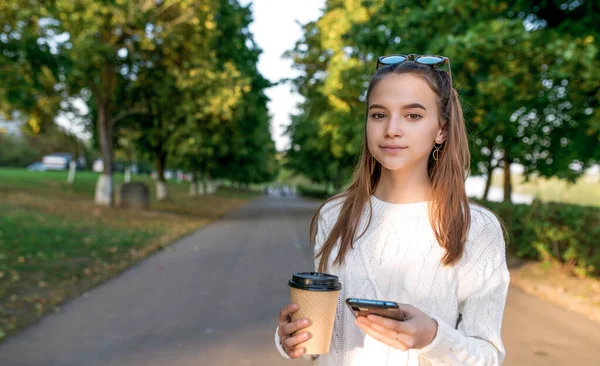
<point x="552" y="282"/>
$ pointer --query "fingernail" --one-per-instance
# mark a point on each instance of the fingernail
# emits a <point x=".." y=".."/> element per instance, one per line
<point x="305" y="322"/>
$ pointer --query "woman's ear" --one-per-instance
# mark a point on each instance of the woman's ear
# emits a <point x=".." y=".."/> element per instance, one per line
<point x="442" y="134"/>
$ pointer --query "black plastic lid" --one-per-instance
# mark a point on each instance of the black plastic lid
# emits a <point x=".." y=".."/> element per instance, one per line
<point x="315" y="281"/>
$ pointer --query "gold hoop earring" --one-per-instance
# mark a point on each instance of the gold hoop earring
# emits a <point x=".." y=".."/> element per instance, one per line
<point x="437" y="151"/>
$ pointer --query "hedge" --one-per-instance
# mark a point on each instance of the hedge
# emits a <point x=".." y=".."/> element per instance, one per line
<point x="313" y="192"/>
<point x="569" y="234"/>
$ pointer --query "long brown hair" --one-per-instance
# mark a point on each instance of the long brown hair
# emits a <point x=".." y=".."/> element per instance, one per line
<point x="449" y="212"/>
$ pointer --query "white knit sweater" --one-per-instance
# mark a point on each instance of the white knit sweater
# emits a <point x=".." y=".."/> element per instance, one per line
<point x="398" y="259"/>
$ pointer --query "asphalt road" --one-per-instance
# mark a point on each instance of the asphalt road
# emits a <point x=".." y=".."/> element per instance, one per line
<point x="213" y="297"/>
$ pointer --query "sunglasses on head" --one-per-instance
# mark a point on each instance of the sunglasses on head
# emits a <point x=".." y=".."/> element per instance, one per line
<point x="430" y="60"/>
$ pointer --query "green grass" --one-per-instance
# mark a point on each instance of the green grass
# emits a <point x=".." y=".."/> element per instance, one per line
<point x="55" y="243"/>
<point x="55" y="182"/>
<point x="585" y="191"/>
<point x="35" y="238"/>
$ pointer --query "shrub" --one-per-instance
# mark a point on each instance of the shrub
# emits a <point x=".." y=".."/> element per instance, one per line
<point x="313" y="192"/>
<point x="14" y="152"/>
<point x="567" y="233"/>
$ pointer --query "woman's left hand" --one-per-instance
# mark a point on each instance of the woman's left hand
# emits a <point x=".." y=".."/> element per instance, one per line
<point x="416" y="332"/>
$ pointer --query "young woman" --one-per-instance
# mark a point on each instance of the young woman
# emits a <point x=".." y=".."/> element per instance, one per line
<point x="405" y="231"/>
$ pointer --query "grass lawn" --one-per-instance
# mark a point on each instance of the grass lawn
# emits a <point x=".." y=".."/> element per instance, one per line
<point x="586" y="191"/>
<point x="55" y="243"/>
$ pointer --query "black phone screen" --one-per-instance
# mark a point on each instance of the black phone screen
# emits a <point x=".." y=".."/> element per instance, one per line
<point x="364" y="307"/>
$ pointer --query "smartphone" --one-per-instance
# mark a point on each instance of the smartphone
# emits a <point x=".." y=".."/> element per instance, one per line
<point x="364" y="307"/>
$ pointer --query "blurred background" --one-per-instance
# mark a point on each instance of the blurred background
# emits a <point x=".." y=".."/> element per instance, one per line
<point x="188" y="109"/>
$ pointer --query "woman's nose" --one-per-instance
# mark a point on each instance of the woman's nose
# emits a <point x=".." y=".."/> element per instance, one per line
<point x="394" y="128"/>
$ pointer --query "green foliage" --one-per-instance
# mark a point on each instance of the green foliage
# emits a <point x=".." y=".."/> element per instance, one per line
<point x="527" y="74"/>
<point x="21" y="151"/>
<point x="15" y="152"/>
<point x="312" y="192"/>
<point x="29" y="68"/>
<point x="553" y="231"/>
<point x="172" y="81"/>
<point x="245" y="153"/>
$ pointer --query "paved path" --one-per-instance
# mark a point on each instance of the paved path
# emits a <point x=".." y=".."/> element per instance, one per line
<point x="213" y="297"/>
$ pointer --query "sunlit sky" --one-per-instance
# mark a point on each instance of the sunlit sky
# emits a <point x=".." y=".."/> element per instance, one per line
<point x="276" y="30"/>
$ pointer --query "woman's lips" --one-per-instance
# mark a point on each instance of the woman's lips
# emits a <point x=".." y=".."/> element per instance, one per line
<point x="392" y="149"/>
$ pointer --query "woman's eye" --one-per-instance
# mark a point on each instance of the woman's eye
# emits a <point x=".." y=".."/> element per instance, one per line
<point x="414" y="116"/>
<point x="378" y="115"/>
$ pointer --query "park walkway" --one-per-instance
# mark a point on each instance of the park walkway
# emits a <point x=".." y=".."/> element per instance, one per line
<point x="212" y="299"/>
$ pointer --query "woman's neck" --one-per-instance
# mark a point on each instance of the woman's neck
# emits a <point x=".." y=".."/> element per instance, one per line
<point x="401" y="186"/>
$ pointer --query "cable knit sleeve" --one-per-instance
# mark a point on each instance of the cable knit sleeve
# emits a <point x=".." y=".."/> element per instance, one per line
<point x="477" y="339"/>
<point x="319" y="241"/>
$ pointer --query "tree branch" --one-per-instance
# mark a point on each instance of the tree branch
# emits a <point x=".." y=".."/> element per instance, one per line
<point x="129" y="113"/>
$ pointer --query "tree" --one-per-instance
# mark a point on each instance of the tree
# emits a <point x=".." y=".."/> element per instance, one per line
<point x="104" y="39"/>
<point x="31" y="68"/>
<point x="510" y="65"/>
<point x="97" y="31"/>
<point x="326" y="135"/>
<point x="249" y="155"/>
<point x="230" y="139"/>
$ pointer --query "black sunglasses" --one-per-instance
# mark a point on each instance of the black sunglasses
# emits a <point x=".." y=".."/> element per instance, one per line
<point x="430" y="60"/>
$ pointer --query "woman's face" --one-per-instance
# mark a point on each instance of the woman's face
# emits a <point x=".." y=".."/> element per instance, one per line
<point x="402" y="123"/>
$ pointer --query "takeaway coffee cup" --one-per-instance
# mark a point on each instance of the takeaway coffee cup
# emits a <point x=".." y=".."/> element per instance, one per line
<point x="316" y="294"/>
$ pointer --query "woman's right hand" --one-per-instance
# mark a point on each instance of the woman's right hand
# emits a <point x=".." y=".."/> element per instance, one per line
<point x="287" y="328"/>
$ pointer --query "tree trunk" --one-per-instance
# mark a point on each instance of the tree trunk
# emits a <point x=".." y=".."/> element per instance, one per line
<point x="194" y="184"/>
<point x="488" y="183"/>
<point x="161" y="185"/>
<point x="507" y="181"/>
<point x="72" y="169"/>
<point x="73" y="161"/>
<point x="128" y="174"/>
<point x="490" y="171"/>
<point x="104" y="186"/>
<point x="162" y="191"/>
<point x="129" y="167"/>
<point x="204" y="184"/>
